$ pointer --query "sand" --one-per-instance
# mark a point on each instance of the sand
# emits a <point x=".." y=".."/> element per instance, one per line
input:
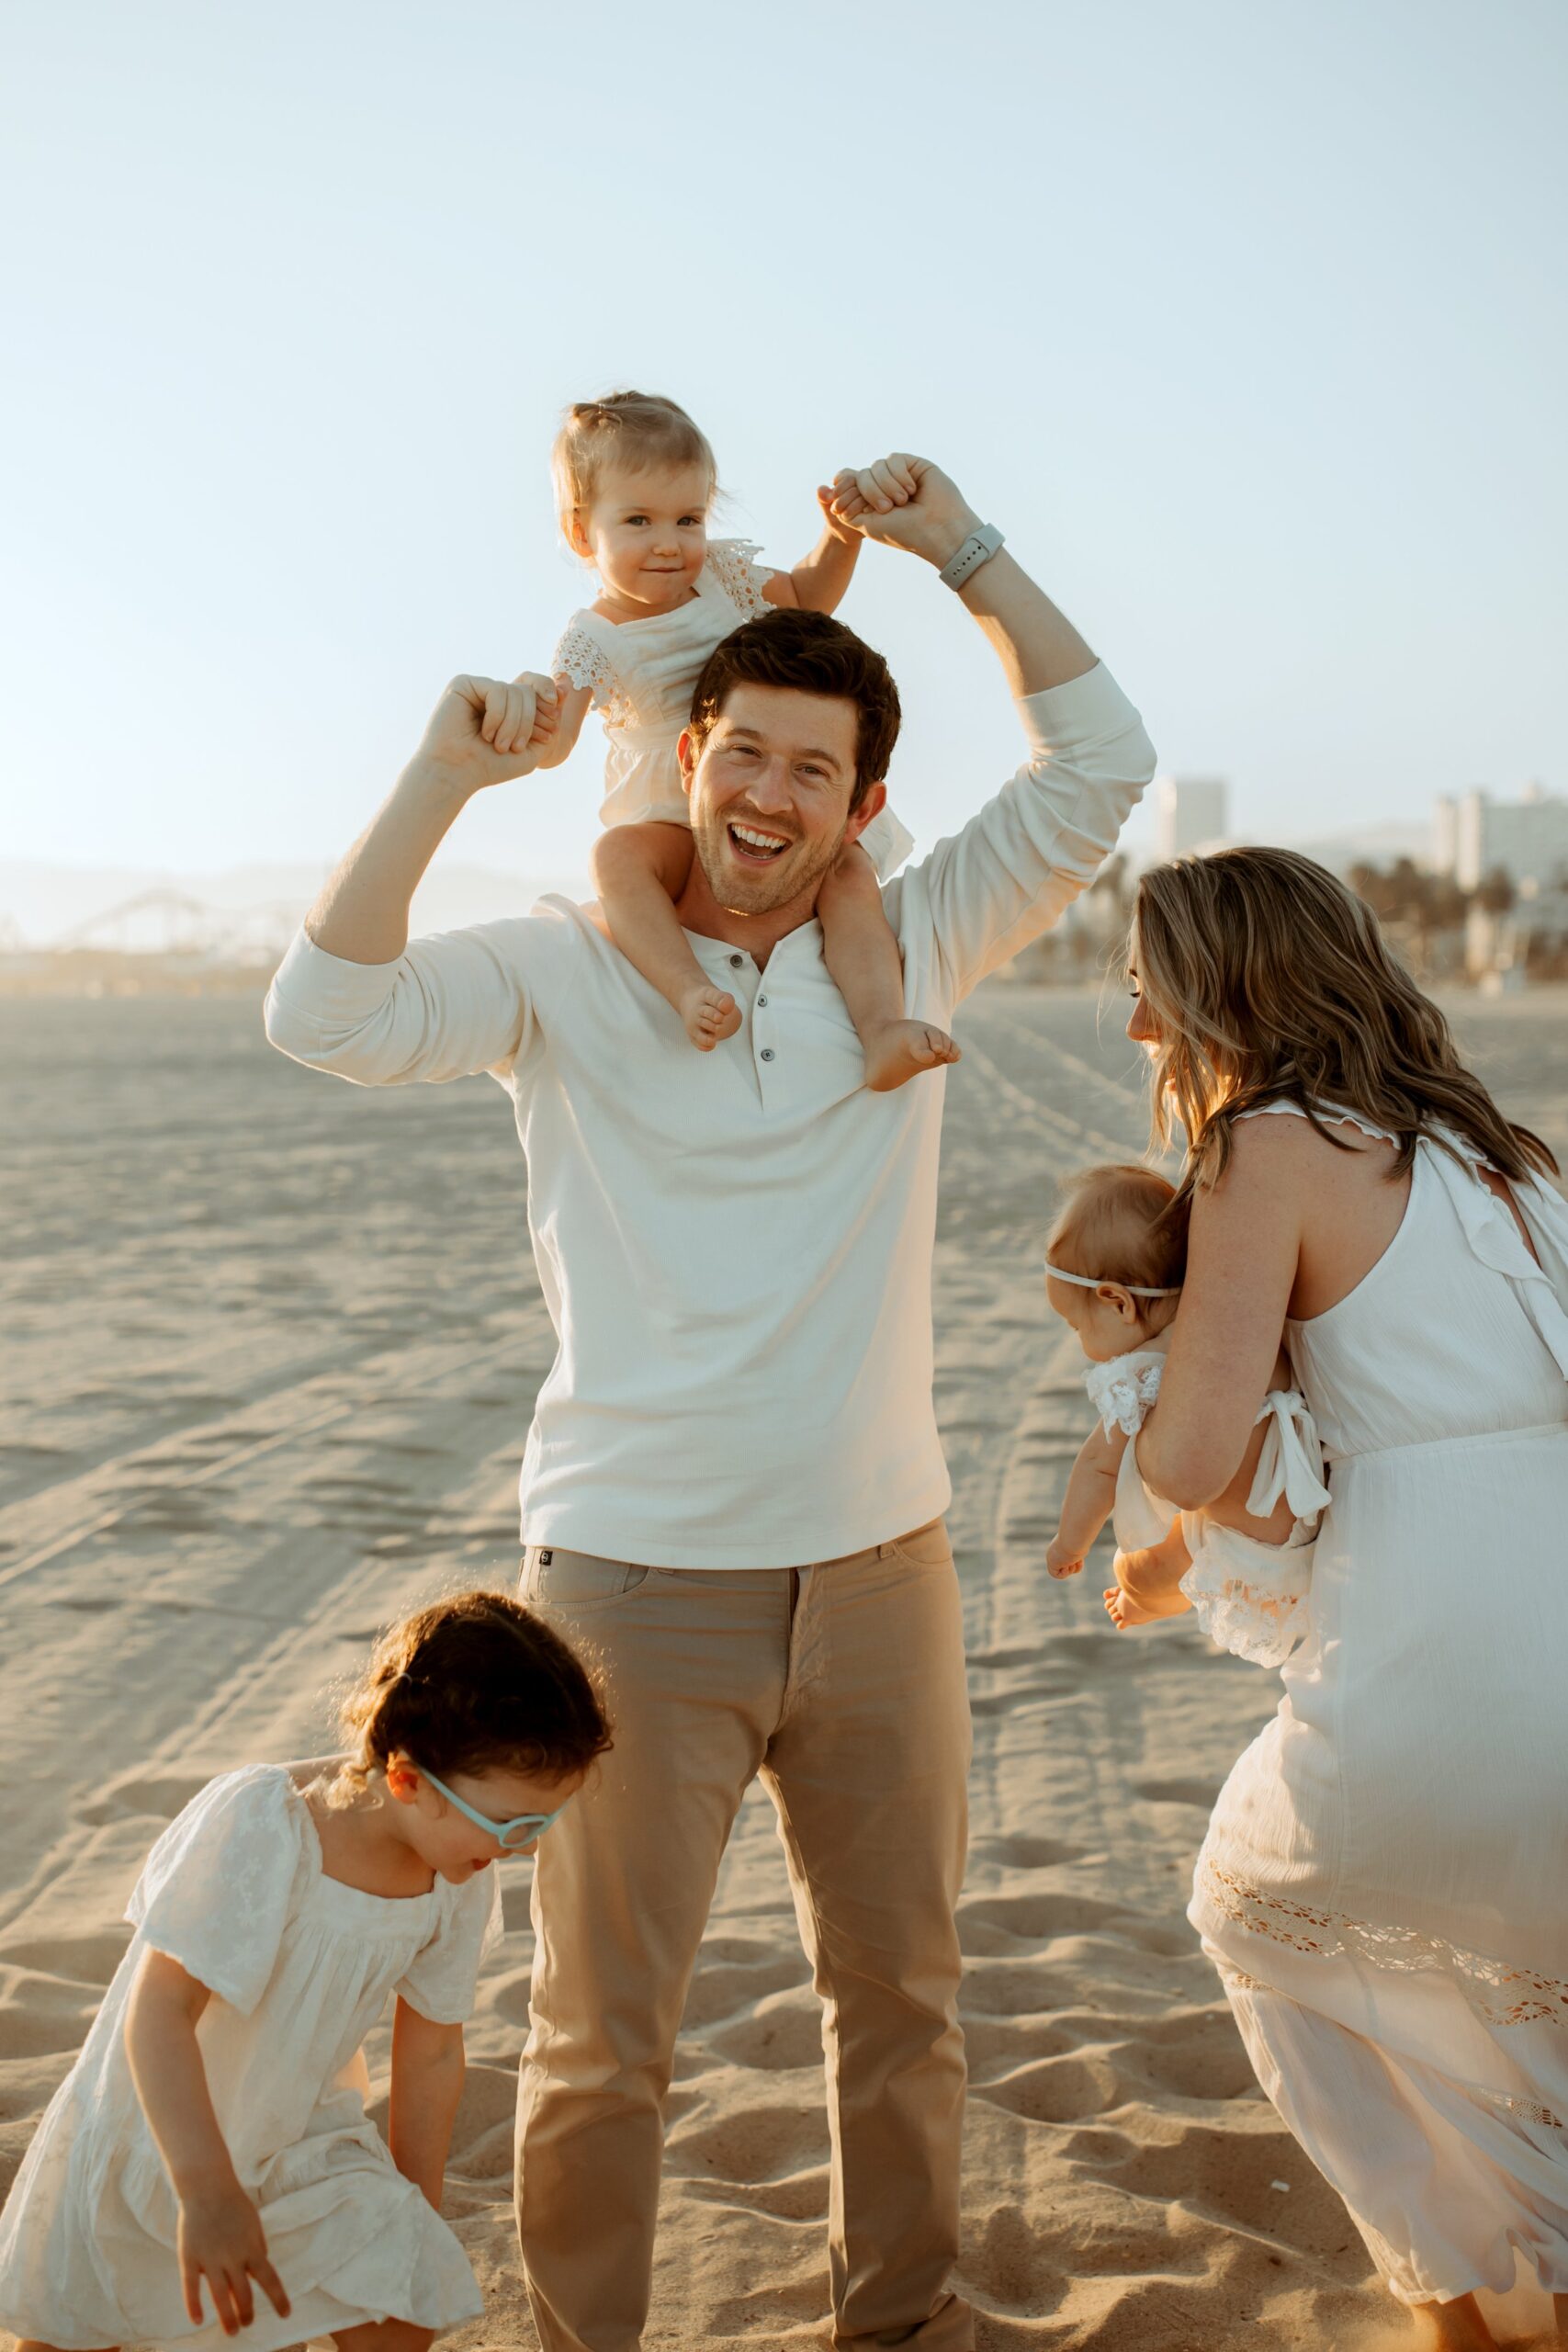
<point x="270" y="1348"/>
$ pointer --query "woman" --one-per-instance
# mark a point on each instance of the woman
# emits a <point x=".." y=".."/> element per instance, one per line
<point x="1384" y="1884"/>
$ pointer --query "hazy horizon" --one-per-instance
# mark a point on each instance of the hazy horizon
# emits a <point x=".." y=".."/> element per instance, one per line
<point x="1246" y="326"/>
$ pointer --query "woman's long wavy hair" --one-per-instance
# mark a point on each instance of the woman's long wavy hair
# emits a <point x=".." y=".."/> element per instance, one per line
<point x="1270" y="980"/>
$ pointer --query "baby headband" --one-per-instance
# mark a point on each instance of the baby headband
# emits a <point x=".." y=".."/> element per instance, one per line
<point x="1093" y="1281"/>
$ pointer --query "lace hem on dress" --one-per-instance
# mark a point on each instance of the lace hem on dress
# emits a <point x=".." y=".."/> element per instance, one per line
<point x="1250" y="1597"/>
<point x="1498" y="1992"/>
<point x="583" y="661"/>
<point x="1122" y="1390"/>
<point x="734" y="566"/>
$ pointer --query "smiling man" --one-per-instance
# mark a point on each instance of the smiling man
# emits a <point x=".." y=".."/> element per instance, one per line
<point x="733" y="1486"/>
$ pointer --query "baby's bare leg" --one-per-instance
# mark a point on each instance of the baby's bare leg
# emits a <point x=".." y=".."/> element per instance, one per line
<point x="862" y="955"/>
<point x="640" y="871"/>
<point x="1148" y="1583"/>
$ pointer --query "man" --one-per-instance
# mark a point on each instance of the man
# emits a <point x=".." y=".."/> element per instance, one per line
<point x="733" y="1485"/>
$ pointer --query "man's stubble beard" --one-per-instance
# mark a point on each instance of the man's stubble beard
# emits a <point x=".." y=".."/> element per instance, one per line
<point x="740" y="892"/>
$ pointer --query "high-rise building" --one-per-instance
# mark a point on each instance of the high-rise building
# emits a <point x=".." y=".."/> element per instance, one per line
<point x="1190" y="813"/>
<point x="1527" y="838"/>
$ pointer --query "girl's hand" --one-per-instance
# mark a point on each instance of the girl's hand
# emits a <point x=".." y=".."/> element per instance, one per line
<point x="222" y="2240"/>
<point x="907" y="503"/>
<point x="843" y="531"/>
<point x="1061" y="1560"/>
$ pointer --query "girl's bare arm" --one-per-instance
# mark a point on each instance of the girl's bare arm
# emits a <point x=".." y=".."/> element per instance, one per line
<point x="221" y="2235"/>
<point x="819" y="582"/>
<point x="1088" y="1503"/>
<point x="427" y="2083"/>
<point x="572" y="707"/>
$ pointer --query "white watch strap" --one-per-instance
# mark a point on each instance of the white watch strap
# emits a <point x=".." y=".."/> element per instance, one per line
<point x="977" y="548"/>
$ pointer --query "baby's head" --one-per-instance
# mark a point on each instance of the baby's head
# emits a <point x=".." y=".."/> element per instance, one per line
<point x="479" y="1694"/>
<point x="1123" y="1234"/>
<point x="634" y="480"/>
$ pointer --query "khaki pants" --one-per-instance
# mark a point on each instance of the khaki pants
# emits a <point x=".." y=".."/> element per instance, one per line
<point x="843" y="1685"/>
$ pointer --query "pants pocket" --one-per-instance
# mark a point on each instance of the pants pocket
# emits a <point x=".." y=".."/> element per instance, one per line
<point x="576" y="1580"/>
<point x="925" y="1548"/>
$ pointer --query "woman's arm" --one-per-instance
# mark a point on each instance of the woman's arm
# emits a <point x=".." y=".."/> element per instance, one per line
<point x="427" y="2083"/>
<point x="221" y="2235"/>
<point x="1089" y="1501"/>
<point x="1242" y="1247"/>
<point x="819" y="580"/>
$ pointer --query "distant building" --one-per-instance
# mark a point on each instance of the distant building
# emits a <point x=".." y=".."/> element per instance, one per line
<point x="1190" y="813"/>
<point x="1527" y="838"/>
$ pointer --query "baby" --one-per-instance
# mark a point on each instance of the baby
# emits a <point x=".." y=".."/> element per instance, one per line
<point x="1115" y="1263"/>
<point x="635" y="480"/>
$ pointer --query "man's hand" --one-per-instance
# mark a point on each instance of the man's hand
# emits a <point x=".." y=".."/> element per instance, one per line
<point x="485" y="731"/>
<point x="906" y="503"/>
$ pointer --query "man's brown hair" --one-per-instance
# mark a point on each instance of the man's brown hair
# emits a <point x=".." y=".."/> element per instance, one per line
<point x="815" y="655"/>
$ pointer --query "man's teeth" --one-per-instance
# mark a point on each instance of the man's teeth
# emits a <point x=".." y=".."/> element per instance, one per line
<point x="769" y="842"/>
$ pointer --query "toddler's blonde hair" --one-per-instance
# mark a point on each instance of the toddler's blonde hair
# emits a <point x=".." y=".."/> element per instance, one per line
<point x="1121" y="1224"/>
<point x="640" y="431"/>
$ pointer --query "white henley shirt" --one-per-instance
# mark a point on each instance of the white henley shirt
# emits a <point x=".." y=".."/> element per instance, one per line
<point x="735" y="1248"/>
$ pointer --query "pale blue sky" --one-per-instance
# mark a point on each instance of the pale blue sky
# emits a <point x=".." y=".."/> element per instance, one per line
<point x="1245" y="322"/>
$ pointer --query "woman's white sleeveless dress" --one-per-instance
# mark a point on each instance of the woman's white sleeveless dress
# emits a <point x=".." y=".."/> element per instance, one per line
<point x="641" y="674"/>
<point x="1384" y="1882"/>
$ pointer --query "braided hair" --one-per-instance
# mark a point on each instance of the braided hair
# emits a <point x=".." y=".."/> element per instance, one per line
<point x="471" y="1684"/>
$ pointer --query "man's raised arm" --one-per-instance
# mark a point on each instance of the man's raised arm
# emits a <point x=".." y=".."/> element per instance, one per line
<point x="349" y="996"/>
<point x="1015" y="867"/>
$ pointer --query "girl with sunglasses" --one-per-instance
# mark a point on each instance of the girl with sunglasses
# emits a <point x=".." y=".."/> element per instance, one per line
<point x="213" y="2133"/>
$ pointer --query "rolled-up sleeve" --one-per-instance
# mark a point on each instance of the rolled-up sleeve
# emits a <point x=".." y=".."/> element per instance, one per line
<point x="1025" y="856"/>
<point x="453" y="1005"/>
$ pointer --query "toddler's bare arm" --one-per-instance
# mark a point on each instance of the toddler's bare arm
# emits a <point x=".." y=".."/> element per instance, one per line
<point x="1088" y="1503"/>
<point x="571" y="708"/>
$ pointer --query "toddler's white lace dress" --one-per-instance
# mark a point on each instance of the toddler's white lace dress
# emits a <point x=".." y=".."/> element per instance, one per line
<point x="299" y="1967"/>
<point x="641" y="674"/>
<point x="1384" y="1882"/>
<point x="1249" y="1597"/>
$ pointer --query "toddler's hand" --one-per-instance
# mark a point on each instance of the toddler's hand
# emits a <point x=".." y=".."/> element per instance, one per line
<point x="840" y="527"/>
<point x="222" y="2240"/>
<point x="1061" y="1560"/>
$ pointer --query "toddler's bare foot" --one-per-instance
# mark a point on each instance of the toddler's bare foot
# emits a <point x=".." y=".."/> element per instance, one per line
<point x="1125" y="1612"/>
<point x="710" y="1014"/>
<point x="900" y="1050"/>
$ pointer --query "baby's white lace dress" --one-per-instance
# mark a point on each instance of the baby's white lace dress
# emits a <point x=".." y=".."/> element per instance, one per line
<point x="1250" y="1597"/>
<point x="641" y="674"/>
<point x="299" y="1967"/>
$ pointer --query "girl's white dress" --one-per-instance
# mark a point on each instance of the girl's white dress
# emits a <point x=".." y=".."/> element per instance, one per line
<point x="641" y="674"/>
<point x="1384" y="1882"/>
<point x="299" y="1967"/>
<point x="1249" y="1597"/>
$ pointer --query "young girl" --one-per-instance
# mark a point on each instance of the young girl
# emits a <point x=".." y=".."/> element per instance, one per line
<point x="213" y="2127"/>
<point x="1114" y="1260"/>
<point x="634" y="480"/>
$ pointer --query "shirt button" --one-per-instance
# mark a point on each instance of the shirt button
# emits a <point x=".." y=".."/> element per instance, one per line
<point x="738" y="961"/>
<point x="767" y="1053"/>
<point x="760" y="1002"/>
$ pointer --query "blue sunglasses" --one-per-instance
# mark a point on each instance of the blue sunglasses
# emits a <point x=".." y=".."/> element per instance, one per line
<point x="508" y="1835"/>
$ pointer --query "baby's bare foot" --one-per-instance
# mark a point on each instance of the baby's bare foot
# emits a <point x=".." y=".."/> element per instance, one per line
<point x="710" y="1015"/>
<point x="900" y="1050"/>
<point x="1123" y="1611"/>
